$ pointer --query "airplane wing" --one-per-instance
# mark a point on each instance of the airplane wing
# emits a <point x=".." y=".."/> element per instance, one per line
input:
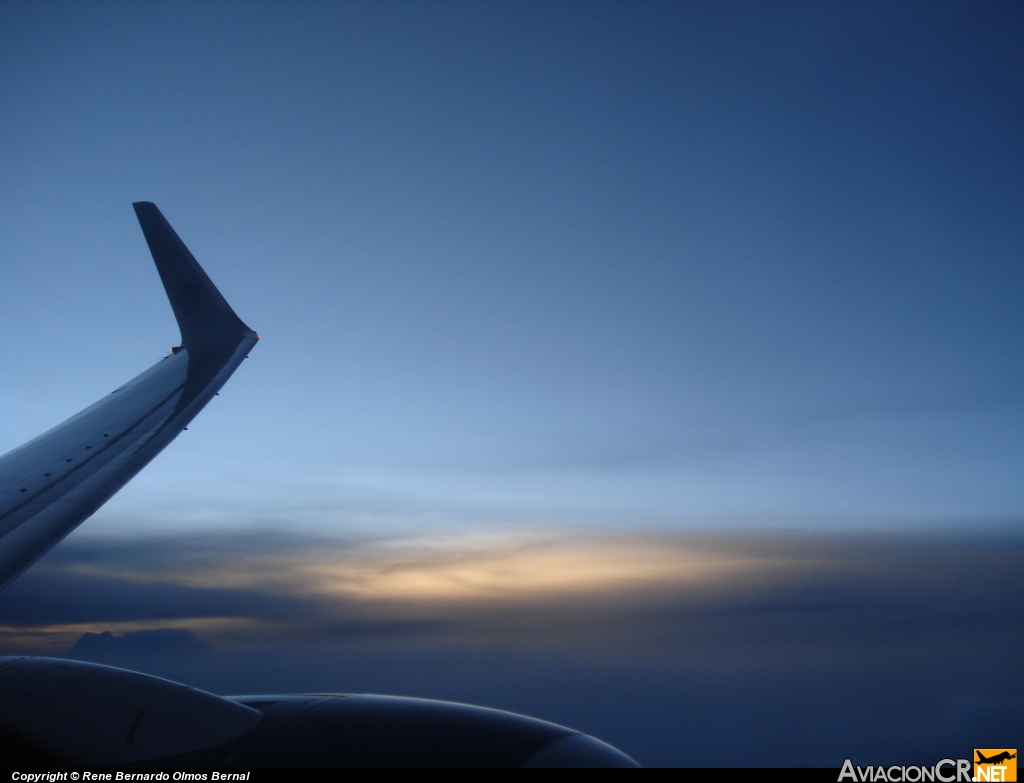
<point x="59" y="713"/>
<point x="56" y="481"/>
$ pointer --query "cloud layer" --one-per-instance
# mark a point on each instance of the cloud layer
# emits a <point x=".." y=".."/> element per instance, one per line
<point x="681" y="648"/>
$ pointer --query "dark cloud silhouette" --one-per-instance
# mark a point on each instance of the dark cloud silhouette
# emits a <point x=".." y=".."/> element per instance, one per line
<point x="693" y="649"/>
<point x="105" y="647"/>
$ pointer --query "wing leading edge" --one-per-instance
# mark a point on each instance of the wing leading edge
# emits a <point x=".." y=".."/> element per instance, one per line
<point x="53" y="483"/>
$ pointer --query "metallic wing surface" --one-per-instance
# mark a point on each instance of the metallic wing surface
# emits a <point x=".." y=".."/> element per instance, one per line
<point x="63" y="713"/>
<point x="56" y="481"/>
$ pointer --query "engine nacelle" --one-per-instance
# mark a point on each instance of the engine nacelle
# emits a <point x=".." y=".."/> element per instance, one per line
<point x="57" y="712"/>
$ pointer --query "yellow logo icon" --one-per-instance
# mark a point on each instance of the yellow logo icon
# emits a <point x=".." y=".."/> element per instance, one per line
<point x="995" y="764"/>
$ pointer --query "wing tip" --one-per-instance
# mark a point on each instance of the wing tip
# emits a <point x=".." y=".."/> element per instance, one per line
<point x="202" y="313"/>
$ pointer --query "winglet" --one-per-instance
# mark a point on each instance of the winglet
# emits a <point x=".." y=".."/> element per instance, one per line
<point x="203" y="315"/>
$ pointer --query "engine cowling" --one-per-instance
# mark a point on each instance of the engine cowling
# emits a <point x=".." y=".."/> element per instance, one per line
<point x="55" y="712"/>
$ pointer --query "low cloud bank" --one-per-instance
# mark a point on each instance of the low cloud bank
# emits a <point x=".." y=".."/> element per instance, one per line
<point x="681" y="648"/>
<point x="108" y="648"/>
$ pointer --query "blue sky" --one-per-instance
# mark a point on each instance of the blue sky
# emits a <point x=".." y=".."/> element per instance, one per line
<point x="619" y="264"/>
<point x="654" y="368"/>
